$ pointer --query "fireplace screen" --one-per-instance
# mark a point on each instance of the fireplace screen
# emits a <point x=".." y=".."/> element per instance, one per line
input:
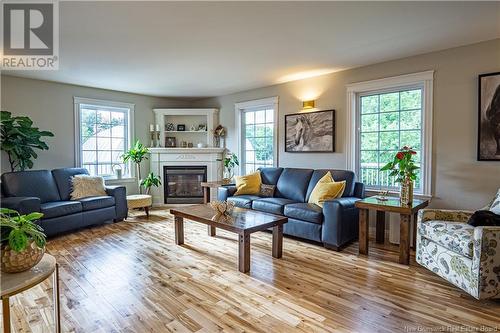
<point x="183" y="184"/>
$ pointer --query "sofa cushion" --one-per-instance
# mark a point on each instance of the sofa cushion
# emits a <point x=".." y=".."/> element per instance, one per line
<point x="457" y="237"/>
<point x="304" y="211"/>
<point x="293" y="184"/>
<point x="92" y="203"/>
<point x="37" y="183"/>
<point x="270" y="176"/>
<point x="63" y="180"/>
<point x="248" y="184"/>
<point x="60" y="208"/>
<point x="271" y="205"/>
<point x="243" y="201"/>
<point x="338" y="175"/>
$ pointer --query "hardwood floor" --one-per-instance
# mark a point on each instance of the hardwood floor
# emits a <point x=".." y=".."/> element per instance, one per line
<point x="131" y="277"/>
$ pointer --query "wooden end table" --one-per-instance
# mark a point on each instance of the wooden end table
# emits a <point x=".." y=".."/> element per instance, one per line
<point x="16" y="283"/>
<point x="392" y="205"/>
<point x="241" y="221"/>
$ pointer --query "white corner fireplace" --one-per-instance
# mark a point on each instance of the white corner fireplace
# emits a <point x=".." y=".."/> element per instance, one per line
<point x="181" y="171"/>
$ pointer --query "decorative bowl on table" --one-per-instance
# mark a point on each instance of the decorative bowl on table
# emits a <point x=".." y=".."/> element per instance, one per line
<point x="222" y="207"/>
<point x="15" y="262"/>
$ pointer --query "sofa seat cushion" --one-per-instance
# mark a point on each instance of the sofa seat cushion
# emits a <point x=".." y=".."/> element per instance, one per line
<point x="60" y="208"/>
<point x="271" y="205"/>
<point x="305" y="211"/>
<point x="244" y="200"/>
<point x="456" y="237"/>
<point x="92" y="203"/>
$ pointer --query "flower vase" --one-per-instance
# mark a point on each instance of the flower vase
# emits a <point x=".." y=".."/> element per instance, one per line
<point x="406" y="194"/>
<point x="228" y="176"/>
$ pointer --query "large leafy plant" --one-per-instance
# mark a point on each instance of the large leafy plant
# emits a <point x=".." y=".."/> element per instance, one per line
<point x="19" y="139"/>
<point x="136" y="154"/>
<point x="403" y="166"/>
<point x="231" y="161"/>
<point x="18" y="231"/>
<point x="149" y="181"/>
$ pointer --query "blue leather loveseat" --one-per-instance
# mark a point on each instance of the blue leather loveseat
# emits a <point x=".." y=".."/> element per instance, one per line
<point x="48" y="192"/>
<point x="334" y="225"/>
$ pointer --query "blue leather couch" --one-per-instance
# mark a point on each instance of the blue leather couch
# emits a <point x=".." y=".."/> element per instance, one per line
<point x="335" y="225"/>
<point x="48" y="192"/>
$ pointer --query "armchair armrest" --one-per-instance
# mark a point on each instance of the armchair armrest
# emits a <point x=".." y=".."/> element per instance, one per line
<point x="340" y="222"/>
<point x="359" y="190"/>
<point x="225" y="191"/>
<point x="486" y="261"/>
<point x="120" y="195"/>
<point x="461" y="216"/>
<point x="24" y="205"/>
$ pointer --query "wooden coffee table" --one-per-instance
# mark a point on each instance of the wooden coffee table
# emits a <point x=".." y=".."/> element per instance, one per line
<point x="241" y="221"/>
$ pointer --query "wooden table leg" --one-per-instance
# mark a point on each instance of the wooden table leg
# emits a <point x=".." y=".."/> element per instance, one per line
<point x="179" y="230"/>
<point x="211" y="230"/>
<point x="414" y="243"/>
<point x="278" y="241"/>
<point x="244" y="253"/>
<point x="404" y="239"/>
<point x="363" y="231"/>
<point x="146" y="209"/>
<point x="206" y="194"/>
<point x="55" y="292"/>
<point x="380" y="228"/>
<point x="6" y="314"/>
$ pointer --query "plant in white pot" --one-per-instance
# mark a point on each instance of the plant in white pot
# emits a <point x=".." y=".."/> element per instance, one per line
<point x="22" y="240"/>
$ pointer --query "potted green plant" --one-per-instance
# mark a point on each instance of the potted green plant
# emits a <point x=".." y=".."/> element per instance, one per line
<point x="403" y="168"/>
<point x="230" y="162"/>
<point x="19" y="139"/>
<point x="137" y="154"/>
<point x="22" y="240"/>
<point x="149" y="181"/>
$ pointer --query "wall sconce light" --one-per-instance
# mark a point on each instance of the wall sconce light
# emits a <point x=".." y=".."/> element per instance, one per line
<point x="308" y="104"/>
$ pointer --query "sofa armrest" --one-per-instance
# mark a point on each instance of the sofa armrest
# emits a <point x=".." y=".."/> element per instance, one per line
<point x="359" y="190"/>
<point x="120" y="195"/>
<point x="460" y="216"/>
<point x="225" y="191"/>
<point x="340" y="221"/>
<point x="486" y="261"/>
<point x="24" y="205"/>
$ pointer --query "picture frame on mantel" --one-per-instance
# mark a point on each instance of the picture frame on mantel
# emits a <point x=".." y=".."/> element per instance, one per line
<point x="310" y="132"/>
<point x="488" y="142"/>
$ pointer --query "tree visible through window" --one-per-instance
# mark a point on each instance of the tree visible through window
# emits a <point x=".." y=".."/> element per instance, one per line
<point x="258" y="139"/>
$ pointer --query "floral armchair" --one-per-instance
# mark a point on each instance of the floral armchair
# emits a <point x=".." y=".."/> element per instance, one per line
<point x="466" y="256"/>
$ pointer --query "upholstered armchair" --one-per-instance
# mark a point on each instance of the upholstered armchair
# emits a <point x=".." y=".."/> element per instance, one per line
<point x="466" y="256"/>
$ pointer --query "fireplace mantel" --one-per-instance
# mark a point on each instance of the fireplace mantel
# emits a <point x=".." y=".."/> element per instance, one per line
<point x="186" y="150"/>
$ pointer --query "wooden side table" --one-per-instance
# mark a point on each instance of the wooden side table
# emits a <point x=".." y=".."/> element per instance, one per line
<point x="207" y="186"/>
<point x="394" y="206"/>
<point x="16" y="283"/>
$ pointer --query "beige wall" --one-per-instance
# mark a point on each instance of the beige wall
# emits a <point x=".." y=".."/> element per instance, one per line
<point x="50" y="106"/>
<point x="459" y="181"/>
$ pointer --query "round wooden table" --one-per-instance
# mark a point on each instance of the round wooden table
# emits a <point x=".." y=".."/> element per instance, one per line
<point x="15" y="283"/>
<point x="140" y="201"/>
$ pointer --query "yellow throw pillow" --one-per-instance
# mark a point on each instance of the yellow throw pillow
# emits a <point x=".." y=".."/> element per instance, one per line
<point x="326" y="189"/>
<point x="249" y="184"/>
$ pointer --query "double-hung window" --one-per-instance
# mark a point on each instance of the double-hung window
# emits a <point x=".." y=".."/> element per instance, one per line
<point x="103" y="133"/>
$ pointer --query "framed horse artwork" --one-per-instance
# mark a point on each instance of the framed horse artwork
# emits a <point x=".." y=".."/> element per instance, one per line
<point x="488" y="143"/>
<point x="310" y="132"/>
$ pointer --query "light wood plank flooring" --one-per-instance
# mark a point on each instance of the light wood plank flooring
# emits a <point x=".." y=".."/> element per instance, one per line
<point x="131" y="277"/>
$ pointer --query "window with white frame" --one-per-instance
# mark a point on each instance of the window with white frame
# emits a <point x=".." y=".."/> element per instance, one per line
<point x="257" y="140"/>
<point x="389" y="114"/>
<point x="103" y="133"/>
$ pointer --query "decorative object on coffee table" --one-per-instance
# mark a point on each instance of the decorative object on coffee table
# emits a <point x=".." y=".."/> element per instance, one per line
<point x="404" y="170"/>
<point x="243" y="222"/>
<point x="222" y="207"/>
<point x="310" y="132"/>
<point x="23" y="241"/>
<point x="393" y="205"/>
<point x="488" y="143"/>
<point x="12" y="284"/>
<point x="140" y="201"/>
<point x="207" y="186"/>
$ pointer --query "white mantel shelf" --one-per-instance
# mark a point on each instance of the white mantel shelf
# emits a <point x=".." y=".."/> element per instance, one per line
<point x="193" y="150"/>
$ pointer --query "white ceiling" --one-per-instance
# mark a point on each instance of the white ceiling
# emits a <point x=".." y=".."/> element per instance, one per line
<point x="196" y="49"/>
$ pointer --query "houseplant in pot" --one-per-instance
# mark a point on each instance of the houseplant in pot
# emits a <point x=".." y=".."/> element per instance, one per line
<point x="403" y="168"/>
<point x="230" y="162"/>
<point x="137" y="154"/>
<point x="149" y="181"/>
<point x="22" y="241"/>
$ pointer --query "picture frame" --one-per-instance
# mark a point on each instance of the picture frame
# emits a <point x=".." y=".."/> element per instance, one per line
<point x="488" y="140"/>
<point x="310" y="132"/>
<point x="170" y="142"/>
<point x="181" y="127"/>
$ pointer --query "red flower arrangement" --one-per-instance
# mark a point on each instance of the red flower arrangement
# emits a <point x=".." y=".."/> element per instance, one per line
<point x="402" y="167"/>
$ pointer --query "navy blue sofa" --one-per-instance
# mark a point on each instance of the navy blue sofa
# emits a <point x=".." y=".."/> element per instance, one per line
<point x="48" y="192"/>
<point x="335" y="225"/>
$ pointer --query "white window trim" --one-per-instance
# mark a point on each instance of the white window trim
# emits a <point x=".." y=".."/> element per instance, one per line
<point x="105" y="103"/>
<point x="239" y="107"/>
<point x="426" y="81"/>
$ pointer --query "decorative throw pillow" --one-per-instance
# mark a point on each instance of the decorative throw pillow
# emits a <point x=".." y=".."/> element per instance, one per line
<point x="326" y="189"/>
<point x="249" y="184"/>
<point x="484" y="218"/>
<point x="87" y="186"/>
<point x="267" y="191"/>
<point x="495" y="204"/>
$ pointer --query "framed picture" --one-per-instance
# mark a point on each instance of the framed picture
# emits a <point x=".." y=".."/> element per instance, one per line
<point x="170" y="142"/>
<point x="488" y="143"/>
<point x="310" y="132"/>
<point x="181" y="127"/>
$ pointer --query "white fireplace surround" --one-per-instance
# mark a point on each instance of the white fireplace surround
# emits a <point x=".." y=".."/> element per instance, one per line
<point x="160" y="157"/>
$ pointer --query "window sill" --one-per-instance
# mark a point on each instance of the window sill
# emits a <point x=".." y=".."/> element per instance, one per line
<point x="111" y="181"/>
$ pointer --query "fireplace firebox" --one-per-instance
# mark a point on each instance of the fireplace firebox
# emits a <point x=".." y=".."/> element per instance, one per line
<point x="182" y="184"/>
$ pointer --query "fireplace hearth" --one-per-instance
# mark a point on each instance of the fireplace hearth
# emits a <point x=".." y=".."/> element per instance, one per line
<point x="182" y="184"/>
